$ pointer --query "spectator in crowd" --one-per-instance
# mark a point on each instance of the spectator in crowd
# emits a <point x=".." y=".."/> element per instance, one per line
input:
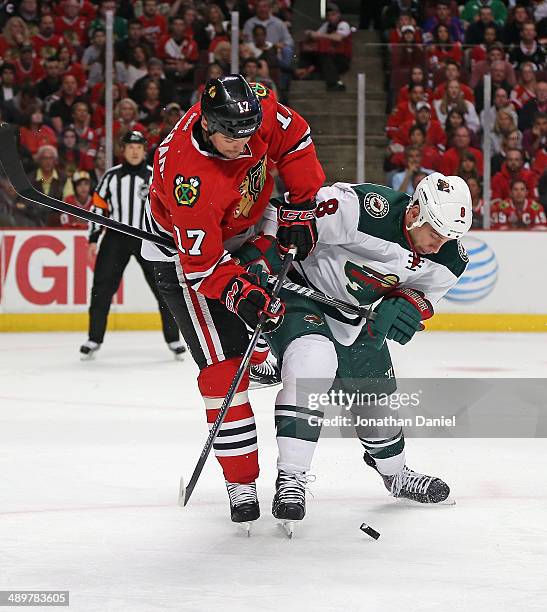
<point x="87" y="137"/>
<point x="479" y="53"/>
<point x="51" y="82"/>
<point x="154" y="25"/>
<point x="135" y="68"/>
<point x="124" y="48"/>
<point x="525" y="89"/>
<point x="71" y="25"/>
<point x="82" y="197"/>
<point x="475" y="189"/>
<point x="518" y="210"/>
<point x="500" y="101"/>
<point x="179" y="51"/>
<point x="417" y="138"/>
<point x="223" y="55"/>
<point x="69" y="154"/>
<point x="46" y="41"/>
<point x="408" y="53"/>
<point x="454" y="120"/>
<point x="401" y="12"/>
<point x="434" y="134"/>
<point x="495" y="54"/>
<point x="509" y="141"/>
<point x="534" y="106"/>
<point x="277" y="33"/>
<point x="150" y="109"/>
<point x="443" y="48"/>
<point x="30" y="13"/>
<point x="333" y="40"/>
<point x="69" y="65"/>
<point x="443" y="17"/>
<point x="34" y="133"/>
<point x="120" y="24"/>
<point x="18" y="212"/>
<point x="511" y="32"/>
<point x="417" y="76"/>
<point x="396" y="35"/>
<point x="99" y="168"/>
<point x="529" y="50"/>
<point x="60" y="110"/>
<point x="450" y="161"/>
<point x="402" y="181"/>
<point x="8" y="89"/>
<point x="126" y="116"/>
<point x="217" y="27"/>
<point x="474" y="8"/>
<point x="95" y="51"/>
<point x="505" y="123"/>
<point x="261" y="48"/>
<point x="511" y="170"/>
<point x="28" y="67"/>
<point x="498" y="79"/>
<point x="535" y="138"/>
<point x="468" y="166"/>
<point x="405" y="111"/>
<point x="251" y="73"/>
<point x="453" y="98"/>
<point x="452" y="72"/>
<point x="474" y="35"/>
<point x="47" y="179"/>
<point x="155" y="72"/>
<point x="15" y="34"/>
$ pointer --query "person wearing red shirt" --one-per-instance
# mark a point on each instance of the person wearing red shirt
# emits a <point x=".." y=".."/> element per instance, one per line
<point x="418" y="76"/>
<point x="406" y="111"/>
<point x="154" y="25"/>
<point x="28" y="68"/>
<point x="450" y="161"/>
<point x="511" y="170"/>
<point x="210" y="185"/>
<point x="434" y="133"/>
<point x="82" y="197"/>
<point x="87" y="138"/>
<point x="453" y="73"/>
<point x="417" y="137"/>
<point x="87" y="10"/>
<point x="525" y="89"/>
<point x="518" y="211"/>
<point x="479" y="53"/>
<point x="72" y="26"/>
<point x="46" y="42"/>
<point x="539" y="164"/>
<point x="35" y="134"/>
<point x="443" y="48"/>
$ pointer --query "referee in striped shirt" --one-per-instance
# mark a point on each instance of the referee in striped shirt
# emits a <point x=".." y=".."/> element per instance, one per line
<point x="122" y="195"/>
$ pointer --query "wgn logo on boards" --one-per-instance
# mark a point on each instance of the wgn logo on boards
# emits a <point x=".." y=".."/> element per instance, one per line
<point x="481" y="273"/>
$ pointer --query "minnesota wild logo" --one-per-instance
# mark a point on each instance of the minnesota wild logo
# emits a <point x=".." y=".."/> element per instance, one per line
<point x="186" y="191"/>
<point x="314" y="319"/>
<point x="365" y="284"/>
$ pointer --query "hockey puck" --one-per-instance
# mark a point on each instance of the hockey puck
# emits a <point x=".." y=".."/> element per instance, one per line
<point x="370" y="531"/>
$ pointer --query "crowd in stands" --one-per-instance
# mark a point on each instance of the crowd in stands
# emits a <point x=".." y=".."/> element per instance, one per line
<point x="52" y="80"/>
<point x="439" y="54"/>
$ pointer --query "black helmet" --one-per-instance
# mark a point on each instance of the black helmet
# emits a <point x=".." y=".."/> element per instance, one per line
<point x="231" y="107"/>
<point x="134" y="137"/>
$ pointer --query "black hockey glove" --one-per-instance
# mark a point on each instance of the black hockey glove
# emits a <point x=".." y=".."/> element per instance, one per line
<point x="245" y="297"/>
<point x="296" y="226"/>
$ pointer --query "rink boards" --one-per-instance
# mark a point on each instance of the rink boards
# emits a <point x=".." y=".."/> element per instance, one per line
<point x="45" y="282"/>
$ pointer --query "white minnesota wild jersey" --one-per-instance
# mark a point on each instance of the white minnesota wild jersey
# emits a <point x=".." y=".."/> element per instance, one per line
<point x="363" y="252"/>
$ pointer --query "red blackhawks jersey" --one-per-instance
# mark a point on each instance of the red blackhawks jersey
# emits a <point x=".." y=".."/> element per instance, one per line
<point x="506" y="215"/>
<point x="203" y="199"/>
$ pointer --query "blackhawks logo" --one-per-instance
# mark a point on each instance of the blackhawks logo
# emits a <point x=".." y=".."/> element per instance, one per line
<point x="186" y="191"/>
<point x="260" y="90"/>
<point x="376" y="205"/>
<point x="251" y="188"/>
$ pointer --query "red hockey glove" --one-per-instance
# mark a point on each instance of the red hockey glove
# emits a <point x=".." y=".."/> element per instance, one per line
<point x="245" y="297"/>
<point x="296" y="226"/>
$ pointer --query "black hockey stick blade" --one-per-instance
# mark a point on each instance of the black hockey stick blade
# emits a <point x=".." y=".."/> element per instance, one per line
<point x="11" y="163"/>
<point x="185" y="491"/>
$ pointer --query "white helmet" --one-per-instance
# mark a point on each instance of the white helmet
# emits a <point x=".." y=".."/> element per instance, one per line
<point x="445" y="203"/>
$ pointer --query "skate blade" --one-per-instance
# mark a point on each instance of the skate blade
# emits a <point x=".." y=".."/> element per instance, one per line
<point x="404" y="501"/>
<point x="88" y="357"/>
<point x="288" y="528"/>
<point x="246" y="527"/>
<point x="179" y="357"/>
<point x="254" y="385"/>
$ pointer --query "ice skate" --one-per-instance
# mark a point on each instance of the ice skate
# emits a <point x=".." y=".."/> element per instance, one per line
<point x="244" y="508"/>
<point x="178" y="349"/>
<point x="265" y="374"/>
<point x="289" y="502"/>
<point x="413" y="486"/>
<point x="88" y="350"/>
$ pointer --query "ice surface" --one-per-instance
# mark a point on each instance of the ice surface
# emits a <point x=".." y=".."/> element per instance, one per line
<point x="91" y="454"/>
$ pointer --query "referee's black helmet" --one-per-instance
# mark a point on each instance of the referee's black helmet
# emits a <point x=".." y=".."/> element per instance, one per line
<point x="231" y="107"/>
<point x="134" y="137"/>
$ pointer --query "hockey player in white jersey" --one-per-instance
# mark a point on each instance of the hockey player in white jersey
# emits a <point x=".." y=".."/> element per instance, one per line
<point x="373" y="244"/>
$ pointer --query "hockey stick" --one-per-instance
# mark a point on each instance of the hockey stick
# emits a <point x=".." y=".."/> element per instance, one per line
<point x="185" y="491"/>
<point x="13" y="168"/>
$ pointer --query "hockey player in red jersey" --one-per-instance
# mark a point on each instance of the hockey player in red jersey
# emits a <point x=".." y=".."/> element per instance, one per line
<point x="210" y="187"/>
